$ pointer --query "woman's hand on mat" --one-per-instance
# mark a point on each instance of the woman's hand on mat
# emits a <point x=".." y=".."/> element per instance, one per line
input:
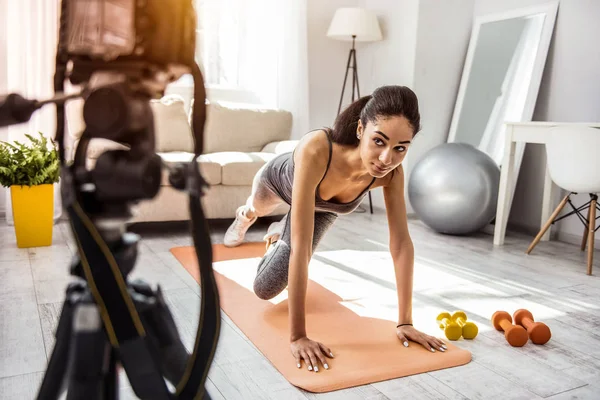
<point x="431" y="343"/>
<point x="311" y="352"/>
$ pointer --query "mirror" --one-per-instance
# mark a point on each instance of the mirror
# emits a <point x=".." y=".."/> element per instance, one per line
<point x="501" y="77"/>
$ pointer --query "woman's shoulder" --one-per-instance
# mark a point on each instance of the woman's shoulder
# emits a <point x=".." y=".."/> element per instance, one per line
<point x="311" y="157"/>
<point x="314" y="144"/>
<point x="317" y="136"/>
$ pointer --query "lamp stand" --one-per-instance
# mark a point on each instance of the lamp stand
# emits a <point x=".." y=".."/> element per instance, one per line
<point x="351" y="64"/>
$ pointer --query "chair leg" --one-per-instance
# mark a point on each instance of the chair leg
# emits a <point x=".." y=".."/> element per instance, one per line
<point x="586" y="229"/>
<point x="548" y="223"/>
<point x="592" y="230"/>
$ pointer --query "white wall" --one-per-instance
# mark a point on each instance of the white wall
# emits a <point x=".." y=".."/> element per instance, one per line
<point x="392" y="60"/>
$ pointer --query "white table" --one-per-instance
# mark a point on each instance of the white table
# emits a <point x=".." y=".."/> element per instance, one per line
<point x="524" y="132"/>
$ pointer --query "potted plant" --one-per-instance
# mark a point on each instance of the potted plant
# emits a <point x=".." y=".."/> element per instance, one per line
<point x="30" y="172"/>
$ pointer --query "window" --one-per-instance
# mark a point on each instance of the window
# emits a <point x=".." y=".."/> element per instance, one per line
<point x="240" y="46"/>
<point x="220" y="32"/>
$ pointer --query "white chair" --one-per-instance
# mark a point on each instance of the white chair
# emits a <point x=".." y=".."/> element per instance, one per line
<point x="573" y="155"/>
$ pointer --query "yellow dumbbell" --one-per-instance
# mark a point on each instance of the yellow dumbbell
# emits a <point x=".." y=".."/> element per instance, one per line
<point x="452" y="329"/>
<point x="469" y="329"/>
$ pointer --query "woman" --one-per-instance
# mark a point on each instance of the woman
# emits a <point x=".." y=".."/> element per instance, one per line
<point x="331" y="171"/>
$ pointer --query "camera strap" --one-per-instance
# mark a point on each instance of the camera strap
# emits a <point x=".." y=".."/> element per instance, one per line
<point x="194" y="378"/>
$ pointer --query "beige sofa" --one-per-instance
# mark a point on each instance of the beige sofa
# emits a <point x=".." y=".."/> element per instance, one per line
<point x="237" y="142"/>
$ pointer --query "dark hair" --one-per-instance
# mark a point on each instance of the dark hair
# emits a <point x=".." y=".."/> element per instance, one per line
<point x="386" y="101"/>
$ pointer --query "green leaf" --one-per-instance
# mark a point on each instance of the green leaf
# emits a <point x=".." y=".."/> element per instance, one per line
<point x="30" y="164"/>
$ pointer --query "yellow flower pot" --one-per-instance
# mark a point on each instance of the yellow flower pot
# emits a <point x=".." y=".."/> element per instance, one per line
<point x="33" y="213"/>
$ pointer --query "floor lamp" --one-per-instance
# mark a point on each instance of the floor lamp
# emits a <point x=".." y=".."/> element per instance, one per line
<point x="354" y="24"/>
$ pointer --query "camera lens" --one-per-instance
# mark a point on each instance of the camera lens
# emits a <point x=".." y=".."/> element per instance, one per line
<point x="105" y="113"/>
<point x="119" y="176"/>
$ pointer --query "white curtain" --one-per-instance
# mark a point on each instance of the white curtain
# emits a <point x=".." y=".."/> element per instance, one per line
<point x="259" y="47"/>
<point x="292" y="90"/>
<point x="32" y="33"/>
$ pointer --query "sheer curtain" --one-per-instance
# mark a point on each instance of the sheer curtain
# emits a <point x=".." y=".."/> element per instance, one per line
<point x="257" y="47"/>
<point x="32" y="33"/>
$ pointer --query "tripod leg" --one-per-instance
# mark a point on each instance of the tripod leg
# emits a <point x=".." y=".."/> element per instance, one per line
<point x="111" y="379"/>
<point x="54" y="378"/>
<point x="353" y="52"/>
<point x="345" y="80"/>
<point x="355" y="68"/>
<point x="90" y="355"/>
<point x="162" y="331"/>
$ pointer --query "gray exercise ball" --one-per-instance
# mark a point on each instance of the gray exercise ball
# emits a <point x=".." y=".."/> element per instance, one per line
<point x="453" y="189"/>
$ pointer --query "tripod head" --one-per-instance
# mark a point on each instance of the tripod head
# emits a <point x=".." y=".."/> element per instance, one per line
<point x="121" y="54"/>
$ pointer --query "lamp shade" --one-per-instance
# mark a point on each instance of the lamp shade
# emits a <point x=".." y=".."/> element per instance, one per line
<point x="348" y="22"/>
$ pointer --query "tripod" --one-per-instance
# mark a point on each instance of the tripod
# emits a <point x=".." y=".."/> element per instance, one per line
<point x="84" y="361"/>
<point x="351" y="64"/>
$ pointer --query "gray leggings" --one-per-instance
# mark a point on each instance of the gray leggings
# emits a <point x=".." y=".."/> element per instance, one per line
<point x="272" y="273"/>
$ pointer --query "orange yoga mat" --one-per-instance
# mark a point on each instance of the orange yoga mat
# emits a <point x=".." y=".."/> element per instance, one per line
<point x="366" y="350"/>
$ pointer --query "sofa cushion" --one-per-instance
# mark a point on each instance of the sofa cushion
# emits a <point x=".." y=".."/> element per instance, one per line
<point x="244" y="129"/>
<point x="210" y="170"/>
<point x="239" y="168"/>
<point x="228" y="127"/>
<point x="171" y="126"/>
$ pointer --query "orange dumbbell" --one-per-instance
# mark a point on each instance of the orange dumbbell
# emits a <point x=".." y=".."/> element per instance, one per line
<point x="539" y="333"/>
<point x="515" y="335"/>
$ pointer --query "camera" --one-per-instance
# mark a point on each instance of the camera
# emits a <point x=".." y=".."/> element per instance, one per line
<point x="121" y="54"/>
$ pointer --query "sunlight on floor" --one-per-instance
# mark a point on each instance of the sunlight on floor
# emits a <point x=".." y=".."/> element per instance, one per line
<point x="365" y="283"/>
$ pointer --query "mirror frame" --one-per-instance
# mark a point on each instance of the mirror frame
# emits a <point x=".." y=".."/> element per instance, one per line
<point x="550" y="9"/>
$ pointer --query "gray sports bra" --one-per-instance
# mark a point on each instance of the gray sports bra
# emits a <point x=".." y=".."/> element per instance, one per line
<point x="279" y="174"/>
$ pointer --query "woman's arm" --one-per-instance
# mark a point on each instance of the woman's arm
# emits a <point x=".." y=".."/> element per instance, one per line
<point x="403" y="256"/>
<point x="401" y="246"/>
<point x="310" y="160"/>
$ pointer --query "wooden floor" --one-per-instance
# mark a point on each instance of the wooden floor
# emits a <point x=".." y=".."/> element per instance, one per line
<point x="466" y="273"/>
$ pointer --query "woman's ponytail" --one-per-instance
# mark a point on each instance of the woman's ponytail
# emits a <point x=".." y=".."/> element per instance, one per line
<point x="344" y="127"/>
